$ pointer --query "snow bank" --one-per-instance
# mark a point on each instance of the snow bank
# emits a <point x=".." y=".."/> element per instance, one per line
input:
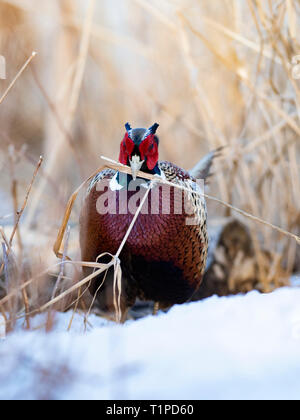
<point x="238" y="347"/>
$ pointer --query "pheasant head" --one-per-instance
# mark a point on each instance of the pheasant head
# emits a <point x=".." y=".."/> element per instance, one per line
<point x="139" y="149"/>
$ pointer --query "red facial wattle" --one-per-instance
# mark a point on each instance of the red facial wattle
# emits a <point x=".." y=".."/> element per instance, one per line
<point x="149" y="151"/>
<point x="126" y="149"/>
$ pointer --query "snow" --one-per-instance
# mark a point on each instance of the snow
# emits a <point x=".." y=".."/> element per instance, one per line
<point x="241" y="347"/>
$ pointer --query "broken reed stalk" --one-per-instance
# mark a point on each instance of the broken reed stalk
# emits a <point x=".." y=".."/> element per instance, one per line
<point x="117" y="266"/>
<point x="63" y="260"/>
<point x="18" y="216"/>
<point x="20" y="213"/>
<point x="67" y="215"/>
<point x="14" y="194"/>
<point x="28" y="61"/>
<point x="50" y="317"/>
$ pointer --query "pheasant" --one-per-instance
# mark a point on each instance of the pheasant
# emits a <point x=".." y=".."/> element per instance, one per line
<point x="164" y="257"/>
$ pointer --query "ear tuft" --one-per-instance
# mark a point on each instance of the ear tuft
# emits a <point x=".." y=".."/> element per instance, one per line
<point x="153" y="128"/>
<point x="128" y="127"/>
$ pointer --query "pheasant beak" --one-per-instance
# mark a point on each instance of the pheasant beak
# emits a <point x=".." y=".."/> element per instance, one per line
<point x="136" y="163"/>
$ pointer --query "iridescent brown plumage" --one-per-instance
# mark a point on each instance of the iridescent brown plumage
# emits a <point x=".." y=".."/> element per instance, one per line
<point x="164" y="257"/>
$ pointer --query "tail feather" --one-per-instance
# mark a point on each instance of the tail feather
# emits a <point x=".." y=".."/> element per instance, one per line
<point x="202" y="169"/>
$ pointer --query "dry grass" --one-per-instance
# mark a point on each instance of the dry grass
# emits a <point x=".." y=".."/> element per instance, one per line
<point x="212" y="73"/>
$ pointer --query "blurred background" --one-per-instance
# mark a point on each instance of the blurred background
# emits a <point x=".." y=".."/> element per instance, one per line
<point x="211" y="73"/>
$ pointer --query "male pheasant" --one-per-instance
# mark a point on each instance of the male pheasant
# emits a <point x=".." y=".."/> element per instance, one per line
<point x="164" y="257"/>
